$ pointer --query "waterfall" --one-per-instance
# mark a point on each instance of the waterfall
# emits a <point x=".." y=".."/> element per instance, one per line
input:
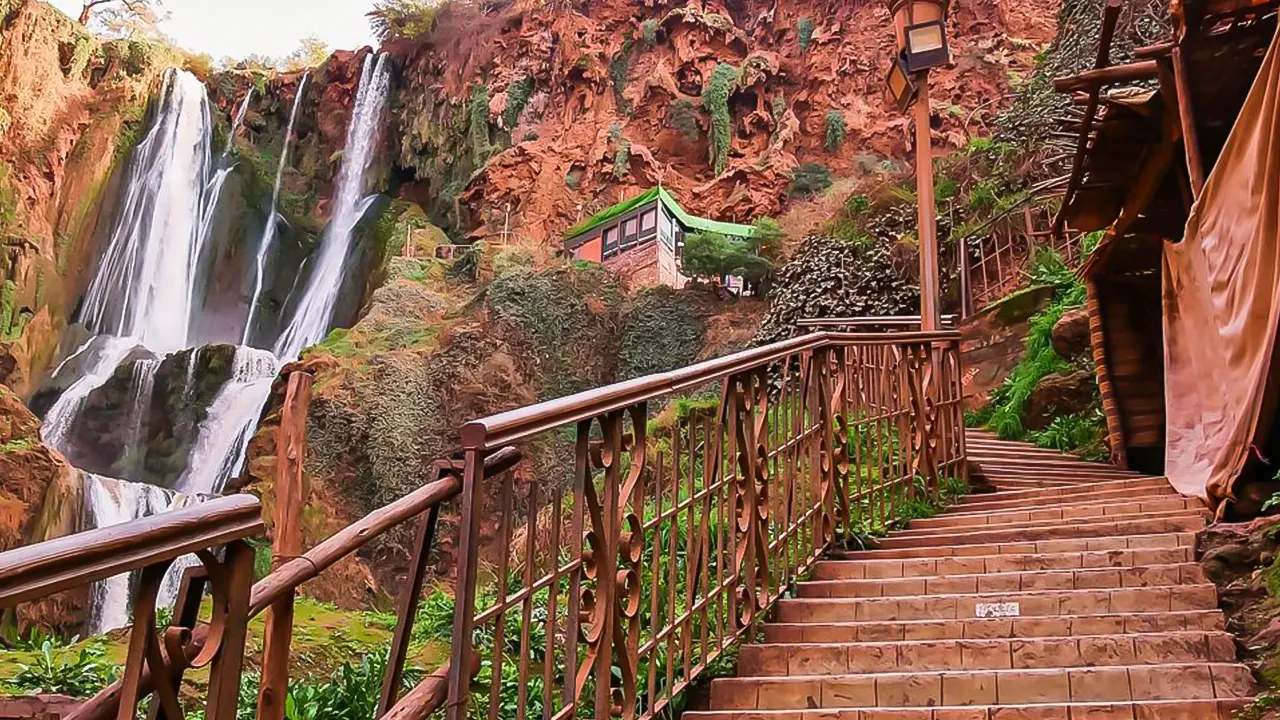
<point x="269" y="232"/>
<point x="110" y="502"/>
<point x="224" y="436"/>
<point x="141" y="384"/>
<point x="314" y="313"/>
<point x="99" y="356"/>
<point x="238" y="121"/>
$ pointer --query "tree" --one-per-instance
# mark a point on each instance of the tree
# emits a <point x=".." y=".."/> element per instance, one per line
<point x="836" y="130"/>
<point x="712" y="255"/>
<point x="403" y="19"/>
<point x="311" y="52"/>
<point x="129" y="18"/>
<point x="716" y="98"/>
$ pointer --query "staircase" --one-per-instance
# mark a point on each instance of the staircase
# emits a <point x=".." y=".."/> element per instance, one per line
<point x="1013" y="465"/>
<point x="1075" y="597"/>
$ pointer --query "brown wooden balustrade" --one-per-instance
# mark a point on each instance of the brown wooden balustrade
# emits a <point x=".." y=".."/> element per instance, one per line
<point x="151" y="545"/>
<point x="650" y="524"/>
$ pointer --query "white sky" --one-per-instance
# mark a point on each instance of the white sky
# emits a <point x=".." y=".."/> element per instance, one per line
<point x="238" y="28"/>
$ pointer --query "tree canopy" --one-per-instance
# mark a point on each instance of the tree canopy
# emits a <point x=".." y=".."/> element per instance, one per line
<point x="712" y="255"/>
<point x="138" y="19"/>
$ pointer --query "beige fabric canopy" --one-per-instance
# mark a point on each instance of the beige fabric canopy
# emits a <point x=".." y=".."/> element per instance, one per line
<point x="1222" y="304"/>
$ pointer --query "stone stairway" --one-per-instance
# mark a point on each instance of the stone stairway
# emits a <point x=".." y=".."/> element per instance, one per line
<point x="1012" y="465"/>
<point x="1080" y="601"/>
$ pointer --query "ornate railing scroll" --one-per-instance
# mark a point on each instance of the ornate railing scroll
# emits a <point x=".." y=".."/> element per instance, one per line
<point x="151" y="545"/>
<point x="651" y="524"/>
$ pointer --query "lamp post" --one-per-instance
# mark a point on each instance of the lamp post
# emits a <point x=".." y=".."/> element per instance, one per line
<point x="920" y="29"/>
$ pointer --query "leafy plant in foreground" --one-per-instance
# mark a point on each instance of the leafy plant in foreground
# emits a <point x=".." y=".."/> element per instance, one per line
<point x="80" y="675"/>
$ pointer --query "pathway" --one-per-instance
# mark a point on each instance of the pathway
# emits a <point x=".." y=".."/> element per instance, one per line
<point x="1070" y="598"/>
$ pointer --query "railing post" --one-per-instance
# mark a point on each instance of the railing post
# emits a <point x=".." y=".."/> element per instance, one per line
<point x="465" y="597"/>
<point x="224" y="678"/>
<point x="291" y="444"/>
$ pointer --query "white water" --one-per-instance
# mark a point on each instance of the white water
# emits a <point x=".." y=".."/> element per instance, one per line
<point x="237" y="122"/>
<point x="142" y="383"/>
<point x="314" y="313"/>
<point x="112" y="502"/>
<point x="219" y="450"/>
<point x="269" y="232"/>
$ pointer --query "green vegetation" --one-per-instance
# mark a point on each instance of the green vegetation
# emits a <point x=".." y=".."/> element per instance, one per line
<point x="836" y="130"/>
<point x="810" y="179"/>
<point x="17" y="445"/>
<point x="479" y="126"/>
<point x="712" y="255"/>
<point x="78" y="675"/>
<point x="768" y="239"/>
<point x="804" y="33"/>
<point x="716" y="98"/>
<point x="9" y="311"/>
<point x="404" y="19"/>
<point x="621" y="159"/>
<point x="620" y="73"/>
<point x="5" y="122"/>
<point x="517" y="99"/>
<point x="683" y="116"/>
<point x="660" y="332"/>
<point x="649" y="31"/>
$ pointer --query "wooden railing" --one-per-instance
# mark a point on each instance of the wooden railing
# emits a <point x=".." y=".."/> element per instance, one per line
<point x="151" y="545"/>
<point x="613" y="545"/>
<point x="652" y="523"/>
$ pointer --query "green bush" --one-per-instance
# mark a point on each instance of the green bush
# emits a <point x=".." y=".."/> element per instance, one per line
<point x="836" y="130"/>
<point x="406" y="19"/>
<point x="804" y="33"/>
<point x="716" y="98"/>
<point x="621" y="159"/>
<point x="660" y="332"/>
<point x="81" y="675"/>
<point x="649" y="31"/>
<point x="683" y="116"/>
<point x="809" y="179"/>
<point x="517" y="99"/>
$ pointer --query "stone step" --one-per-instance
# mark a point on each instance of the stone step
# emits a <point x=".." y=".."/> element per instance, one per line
<point x="1040" y="603"/>
<point x="1054" y="495"/>
<point x="987" y="688"/>
<point x="923" y="530"/>
<point x="1066" y="512"/>
<point x="779" y="659"/>
<point x="1005" y="483"/>
<point x="991" y="501"/>
<point x="1051" y="469"/>
<point x="1157" y="541"/>
<point x="1224" y="709"/>
<point x="1102" y="529"/>
<point x="983" y="564"/>
<point x="993" y="628"/>
<point x="828" y="583"/>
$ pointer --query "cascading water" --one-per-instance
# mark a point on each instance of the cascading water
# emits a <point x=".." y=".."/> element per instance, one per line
<point x="269" y="232"/>
<point x="314" y="313"/>
<point x="237" y="122"/>
<point x="145" y="294"/>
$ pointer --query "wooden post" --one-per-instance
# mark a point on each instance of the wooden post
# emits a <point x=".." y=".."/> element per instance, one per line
<point x="291" y="443"/>
<point x="928" y="231"/>
<point x="1186" y="114"/>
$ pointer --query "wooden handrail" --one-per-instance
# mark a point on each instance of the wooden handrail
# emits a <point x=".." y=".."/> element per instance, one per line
<point x="519" y="424"/>
<point x="39" y="570"/>
<point x="893" y="321"/>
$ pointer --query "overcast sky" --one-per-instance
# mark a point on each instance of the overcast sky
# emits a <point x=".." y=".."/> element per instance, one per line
<point x="238" y="28"/>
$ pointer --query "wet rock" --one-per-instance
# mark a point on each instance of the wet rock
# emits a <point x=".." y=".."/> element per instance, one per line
<point x="1059" y="394"/>
<point x="1071" y="333"/>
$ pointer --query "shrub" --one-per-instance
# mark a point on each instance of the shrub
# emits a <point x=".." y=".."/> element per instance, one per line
<point x="407" y="19"/>
<point x="768" y="240"/>
<point x="649" y="31"/>
<point x="716" y="99"/>
<point x="836" y="130"/>
<point x="683" y="116"/>
<point x="809" y="179"/>
<point x="517" y="99"/>
<point x="621" y="159"/>
<point x="81" y="675"/>
<point x="660" y="333"/>
<point x="804" y="33"/>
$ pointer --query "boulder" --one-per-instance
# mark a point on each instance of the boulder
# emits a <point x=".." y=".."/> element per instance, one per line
<point x="1071" y="333"/>
<point x="1058" y="394"/>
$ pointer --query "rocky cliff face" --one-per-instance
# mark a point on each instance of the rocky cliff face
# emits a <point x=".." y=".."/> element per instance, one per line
<point x="71" y="108"/>
<point x="532" y="117"/>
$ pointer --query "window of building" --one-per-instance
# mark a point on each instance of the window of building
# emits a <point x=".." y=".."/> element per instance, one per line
<point x="610" y="241"/>
<point x="630" y="232"/>
<point x="649" y="222"/>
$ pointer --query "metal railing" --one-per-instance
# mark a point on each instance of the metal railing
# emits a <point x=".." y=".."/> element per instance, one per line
<point x="651" y="524"/>
<point x="613" y="545"/>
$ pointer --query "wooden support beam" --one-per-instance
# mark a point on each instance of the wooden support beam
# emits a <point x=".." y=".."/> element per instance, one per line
<point x="1089" y="79"/>
<point x="1186" y="115"/>
<point x="1153" y="52"/>
<point x="291" y="443"/>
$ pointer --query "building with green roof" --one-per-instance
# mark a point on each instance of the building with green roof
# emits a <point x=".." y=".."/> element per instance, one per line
<point x="633" y="223"/>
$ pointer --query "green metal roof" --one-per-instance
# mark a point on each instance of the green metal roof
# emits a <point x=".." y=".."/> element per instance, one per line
<point x="659" y="193"/>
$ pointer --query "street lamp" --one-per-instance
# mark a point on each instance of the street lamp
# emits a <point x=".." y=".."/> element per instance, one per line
<point x="920" y="29"/>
